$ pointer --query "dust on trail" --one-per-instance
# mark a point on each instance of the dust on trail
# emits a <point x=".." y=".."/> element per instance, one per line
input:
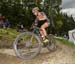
<point x="63" y="55"/>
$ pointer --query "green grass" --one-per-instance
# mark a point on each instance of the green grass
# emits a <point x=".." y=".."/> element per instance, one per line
<point x="11" y="33"/>
<point x="7" y="37"/>
<point x="66" y="42"/>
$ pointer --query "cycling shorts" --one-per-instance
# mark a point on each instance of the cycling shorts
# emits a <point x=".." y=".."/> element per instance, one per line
<point x="41" y="22"/>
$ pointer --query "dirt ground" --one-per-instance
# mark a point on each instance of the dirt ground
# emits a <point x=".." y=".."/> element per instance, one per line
<point x="63" y="55"/>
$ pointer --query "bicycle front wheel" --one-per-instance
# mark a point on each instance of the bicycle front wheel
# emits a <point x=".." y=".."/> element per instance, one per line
<point x="27" y="45"/>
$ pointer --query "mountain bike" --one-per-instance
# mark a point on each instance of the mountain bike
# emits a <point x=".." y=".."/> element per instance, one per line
<point x="28" y="44"/>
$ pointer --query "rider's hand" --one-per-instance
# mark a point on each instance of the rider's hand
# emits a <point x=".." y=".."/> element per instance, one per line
<point x="32" y="27"/>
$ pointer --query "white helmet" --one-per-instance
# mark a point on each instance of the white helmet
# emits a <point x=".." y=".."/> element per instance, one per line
<point x="35" y="9"/>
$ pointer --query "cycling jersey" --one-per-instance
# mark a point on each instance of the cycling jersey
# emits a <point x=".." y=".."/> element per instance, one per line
<point x="41" y="15"/>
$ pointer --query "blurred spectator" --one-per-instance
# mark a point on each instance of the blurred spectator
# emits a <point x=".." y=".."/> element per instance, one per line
<point x="21" y="28"/>
<point x="6" y="24"/>
<point x="65" y="36"/>
<point x="1" y="20"/>
<point x="1" y="25"/>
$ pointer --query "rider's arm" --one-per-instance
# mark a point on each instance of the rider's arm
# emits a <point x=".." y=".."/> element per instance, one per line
<point x="36" y="22"/>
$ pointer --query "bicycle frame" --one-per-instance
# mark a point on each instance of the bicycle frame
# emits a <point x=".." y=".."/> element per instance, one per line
<point x="36" y="30"/>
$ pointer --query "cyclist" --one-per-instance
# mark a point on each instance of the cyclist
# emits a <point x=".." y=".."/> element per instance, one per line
<point x="41" y="21"/>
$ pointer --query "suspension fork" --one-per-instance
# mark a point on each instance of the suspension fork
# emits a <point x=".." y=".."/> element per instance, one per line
<point x="37" y="32"/>
<point x="34" y="30"/>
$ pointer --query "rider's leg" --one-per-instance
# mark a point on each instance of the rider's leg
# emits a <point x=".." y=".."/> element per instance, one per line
<point x="43" y="31"/>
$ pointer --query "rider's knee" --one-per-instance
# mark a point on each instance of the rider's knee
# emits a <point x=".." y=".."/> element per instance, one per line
<point x="42" y="28"/>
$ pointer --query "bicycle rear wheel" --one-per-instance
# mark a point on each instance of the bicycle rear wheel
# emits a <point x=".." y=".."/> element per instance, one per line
<point x="27" y="45"/>
<point x="52" y="43"/>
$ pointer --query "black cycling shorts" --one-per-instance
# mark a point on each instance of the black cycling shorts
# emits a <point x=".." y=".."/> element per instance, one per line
<point x="41" y="22"/>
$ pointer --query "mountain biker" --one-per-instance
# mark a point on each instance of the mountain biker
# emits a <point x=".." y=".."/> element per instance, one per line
<point x="41" y="21"/>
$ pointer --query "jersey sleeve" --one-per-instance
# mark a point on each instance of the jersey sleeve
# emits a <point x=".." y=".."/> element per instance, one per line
<point x="43" y="13"/>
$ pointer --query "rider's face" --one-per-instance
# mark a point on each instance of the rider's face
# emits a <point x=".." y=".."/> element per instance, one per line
<point x="35" y="13"/>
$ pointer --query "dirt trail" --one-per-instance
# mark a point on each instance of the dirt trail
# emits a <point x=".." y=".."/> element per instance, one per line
<point x="63" y="55"/>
